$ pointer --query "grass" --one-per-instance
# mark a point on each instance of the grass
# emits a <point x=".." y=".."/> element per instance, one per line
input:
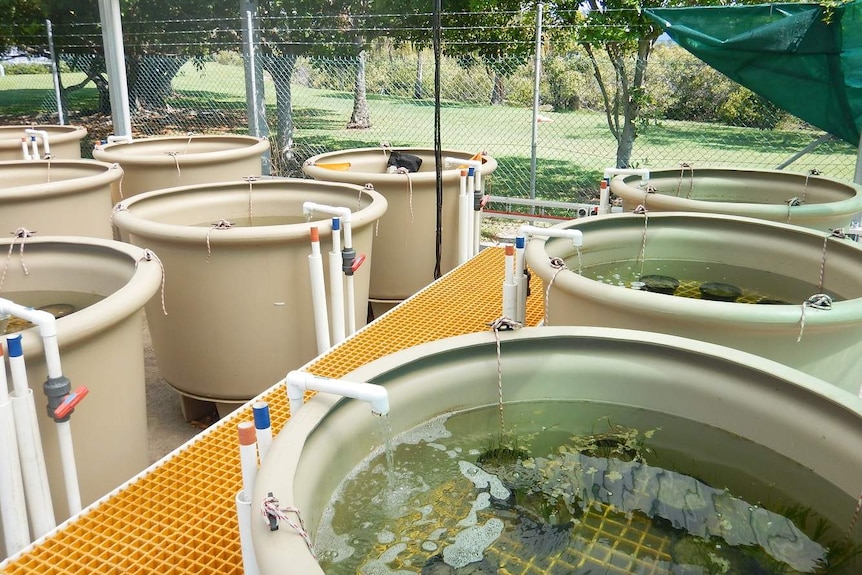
<point x="571" y="151"/>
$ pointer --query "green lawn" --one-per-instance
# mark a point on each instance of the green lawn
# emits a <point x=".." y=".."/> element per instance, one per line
<point x="571" y="151"/>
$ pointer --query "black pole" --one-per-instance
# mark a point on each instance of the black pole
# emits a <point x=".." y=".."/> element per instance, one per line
<point x="438" y="150"/>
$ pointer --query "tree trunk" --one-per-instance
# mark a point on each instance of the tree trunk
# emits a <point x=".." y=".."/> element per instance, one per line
<point x="282" y="68"/>
<point x="631" y="96"/>
<point x="360" y="119"/>
<point x="417" y="85"/>
<point x="497" y="91"/>
<point x="150" y="79"/>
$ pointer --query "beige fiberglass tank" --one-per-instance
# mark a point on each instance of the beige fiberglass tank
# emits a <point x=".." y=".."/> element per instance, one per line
<point x="169" y="161"/>
<point x="58" y="197"/>
<point x="97" y="288"/>
<point x="645" y="423"/>
<point x="405" y="255"/>
<point x="809" y="200"/>
<point x="785" y="292"/>
<point x="64" y="142"/>
<point x="238" y="311"/>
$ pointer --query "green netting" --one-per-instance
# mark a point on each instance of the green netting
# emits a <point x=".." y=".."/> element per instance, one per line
<point x="788" y="53"/>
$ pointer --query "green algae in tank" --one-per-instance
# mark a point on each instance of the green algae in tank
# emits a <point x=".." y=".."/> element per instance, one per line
<point x="754" y="285"/>
<point x="57" y="303"/>
<point x="603" y="489"/>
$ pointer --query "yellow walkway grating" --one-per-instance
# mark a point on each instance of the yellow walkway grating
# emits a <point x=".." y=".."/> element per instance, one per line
<point x="181" y="516"/>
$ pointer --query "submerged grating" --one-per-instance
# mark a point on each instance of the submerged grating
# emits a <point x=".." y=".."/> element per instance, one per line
<point x="180" y="517"/>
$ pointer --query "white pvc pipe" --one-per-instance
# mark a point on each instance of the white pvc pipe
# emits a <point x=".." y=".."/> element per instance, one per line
<point x="13" y="508"/>
<point x="263" y="428"/>
<point x="463" y="219"/>
<point x="450" y="161"/>
<point x="524" y="232"/>
<point x="510" y="287"/>
<point x="34" y="148"/>
<point x="336" y="284"/>
<point x="36" y="489"/>
<point x="318" y="293"/>
<point x="471" y="221"/>
<point x="124" y="139"/>
<point x="42" y="134"/>
<point x="298" y="382"/>
<point x="24" y="149"/>
<point x="244" y="518"/>
<point x="477" y="212"/>
<point x="70" y="471"/>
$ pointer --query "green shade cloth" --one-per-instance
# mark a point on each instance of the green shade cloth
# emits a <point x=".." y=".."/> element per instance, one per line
<point x="784" y="52"/>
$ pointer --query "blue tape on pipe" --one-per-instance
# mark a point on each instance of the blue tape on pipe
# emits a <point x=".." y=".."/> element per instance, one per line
<point x="261" y="415"/>
<point x="520" y="243"/>
<point x="336" y="224"/>
<point x="471" y="171"/>
<point x="13" y="344"/>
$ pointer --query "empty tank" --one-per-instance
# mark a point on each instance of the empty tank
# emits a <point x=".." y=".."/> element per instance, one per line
<point x="238" y="300"/>
<point x="101" y="348"/>
<point x="809" y="200"/>
<point x="58" y="197"/>
<point x="792" y="414"/>
<point x="405" y="257"/>
<point x="782" y="263"/>
<point x="64" y="142"/>
<point x="170" y="161"/>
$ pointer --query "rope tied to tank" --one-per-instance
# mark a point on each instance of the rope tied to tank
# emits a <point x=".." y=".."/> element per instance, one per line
<point x="793" y="202"/>
<point x="641" y="210"/>
<point x="558" y="264"/>
<point x="48" y="158"/>
<point x="819" y="301"/>
<point x="116" y="166"/>
<point x="176" y="158"/>
<point x="148" y="256"/>
<point x="837" y="233"/>
<point x="502" y="323"/>
<point x="406" y="172"/>
<point x="369" y="187"/>
<point x="189" y="141"/>
<point x="272" y="513"/>
<point x="219" y="225"/>
<point x="19" y="234"/>
<point x="683" y="166"/>
<point x="811" y="172"/>
<point x="387" y="149"/>
<point x="251" y="180"/>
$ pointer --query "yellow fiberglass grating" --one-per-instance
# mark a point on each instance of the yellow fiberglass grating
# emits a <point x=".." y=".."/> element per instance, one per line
<point x="180" y="517"/>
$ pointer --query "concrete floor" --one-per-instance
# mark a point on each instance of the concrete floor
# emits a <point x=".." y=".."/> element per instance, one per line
<point x="167" y="428"/>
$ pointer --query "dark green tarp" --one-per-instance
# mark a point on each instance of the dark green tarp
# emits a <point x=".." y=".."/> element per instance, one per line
<point x="787" y="53"/>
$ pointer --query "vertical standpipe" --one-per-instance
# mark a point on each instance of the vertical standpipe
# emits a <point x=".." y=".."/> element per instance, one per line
<point x="463" y="219"/>
<point x="318" y="293"/>
<point x="248" y="462"/>
<point x="263" y="428"/>
<point x="13" y="507"/>
<point x="604" y="191"/>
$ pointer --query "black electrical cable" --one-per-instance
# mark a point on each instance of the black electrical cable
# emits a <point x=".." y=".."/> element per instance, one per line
<point x="438" y="149"/>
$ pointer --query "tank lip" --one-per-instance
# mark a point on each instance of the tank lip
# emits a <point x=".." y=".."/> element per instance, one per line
<point x="142" y="284"/>
<point x="59" y="133"/>
<point x="778" y="317"/>
<point x="310" y="168"/>
<point x="125" y="218"/>
<point x="102" y="174"/>
<point x="123" y="152"/>
<point x="620" y="185"/>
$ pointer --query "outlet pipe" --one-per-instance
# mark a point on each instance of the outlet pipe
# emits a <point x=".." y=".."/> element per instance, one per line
<point x="471" y="195"/>
<point x="318" y="293"/>
<point x="461" y="162"/>
<point x="13" y="508"/>
<point x="510" y="286"/>
<point x="37" y="492"/>
<point x="46" y="147"/>
<point x="348" y="261"/>
<point x="263" y="428"/>
<point x="521" y="238"/>
<point x="298" y="382"/>
<point x="463" y="219"/>
<point x="248" y="462"/>
<point x="478" y="204"/>
<point x="25" y="150"/>
<point x="56" y="387"/>
<point x="605" y="195"/>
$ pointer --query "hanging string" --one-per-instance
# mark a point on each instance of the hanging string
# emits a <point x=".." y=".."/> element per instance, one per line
<point x="219" y="225"/>
<point x="819" y="301"/>
<point x="642" y="210"/>
<point x="813" y="172"/>
<point x="272" y="513"/>
<point x="150" y="255"/>
<point x="438" y="147"/>
<point x="250" y="180"/>
<point x="683" y="166"/>
<point x="20" y="234"/>
<point x="559" y="264"/>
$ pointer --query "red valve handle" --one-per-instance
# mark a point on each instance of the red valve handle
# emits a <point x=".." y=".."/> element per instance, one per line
<point x="70" y="401"/>
<point x="357" y="261"/>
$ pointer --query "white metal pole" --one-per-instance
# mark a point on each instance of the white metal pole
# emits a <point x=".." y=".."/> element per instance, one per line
<point x="318" y="293"/>
<point x="36" y="489"/>
<point x="463" y="219"/>
<point x="534" y="145"/>
<point x="477" y="211"/>
<point x="115" y="62"/>
<point x="13" y="509"/>
<point x="61" y="116"/>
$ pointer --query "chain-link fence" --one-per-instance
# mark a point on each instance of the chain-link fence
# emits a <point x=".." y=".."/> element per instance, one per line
<point x="692" y="114"/>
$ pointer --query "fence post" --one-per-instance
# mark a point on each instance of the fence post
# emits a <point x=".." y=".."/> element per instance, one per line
<point x="536" y="84"/>
<point x="254" y="92"/>
<point x="61" y="117"/>
<point x="115" y="63"/>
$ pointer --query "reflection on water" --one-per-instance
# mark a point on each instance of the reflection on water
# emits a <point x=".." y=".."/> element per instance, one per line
<point x="57" y="303"/>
